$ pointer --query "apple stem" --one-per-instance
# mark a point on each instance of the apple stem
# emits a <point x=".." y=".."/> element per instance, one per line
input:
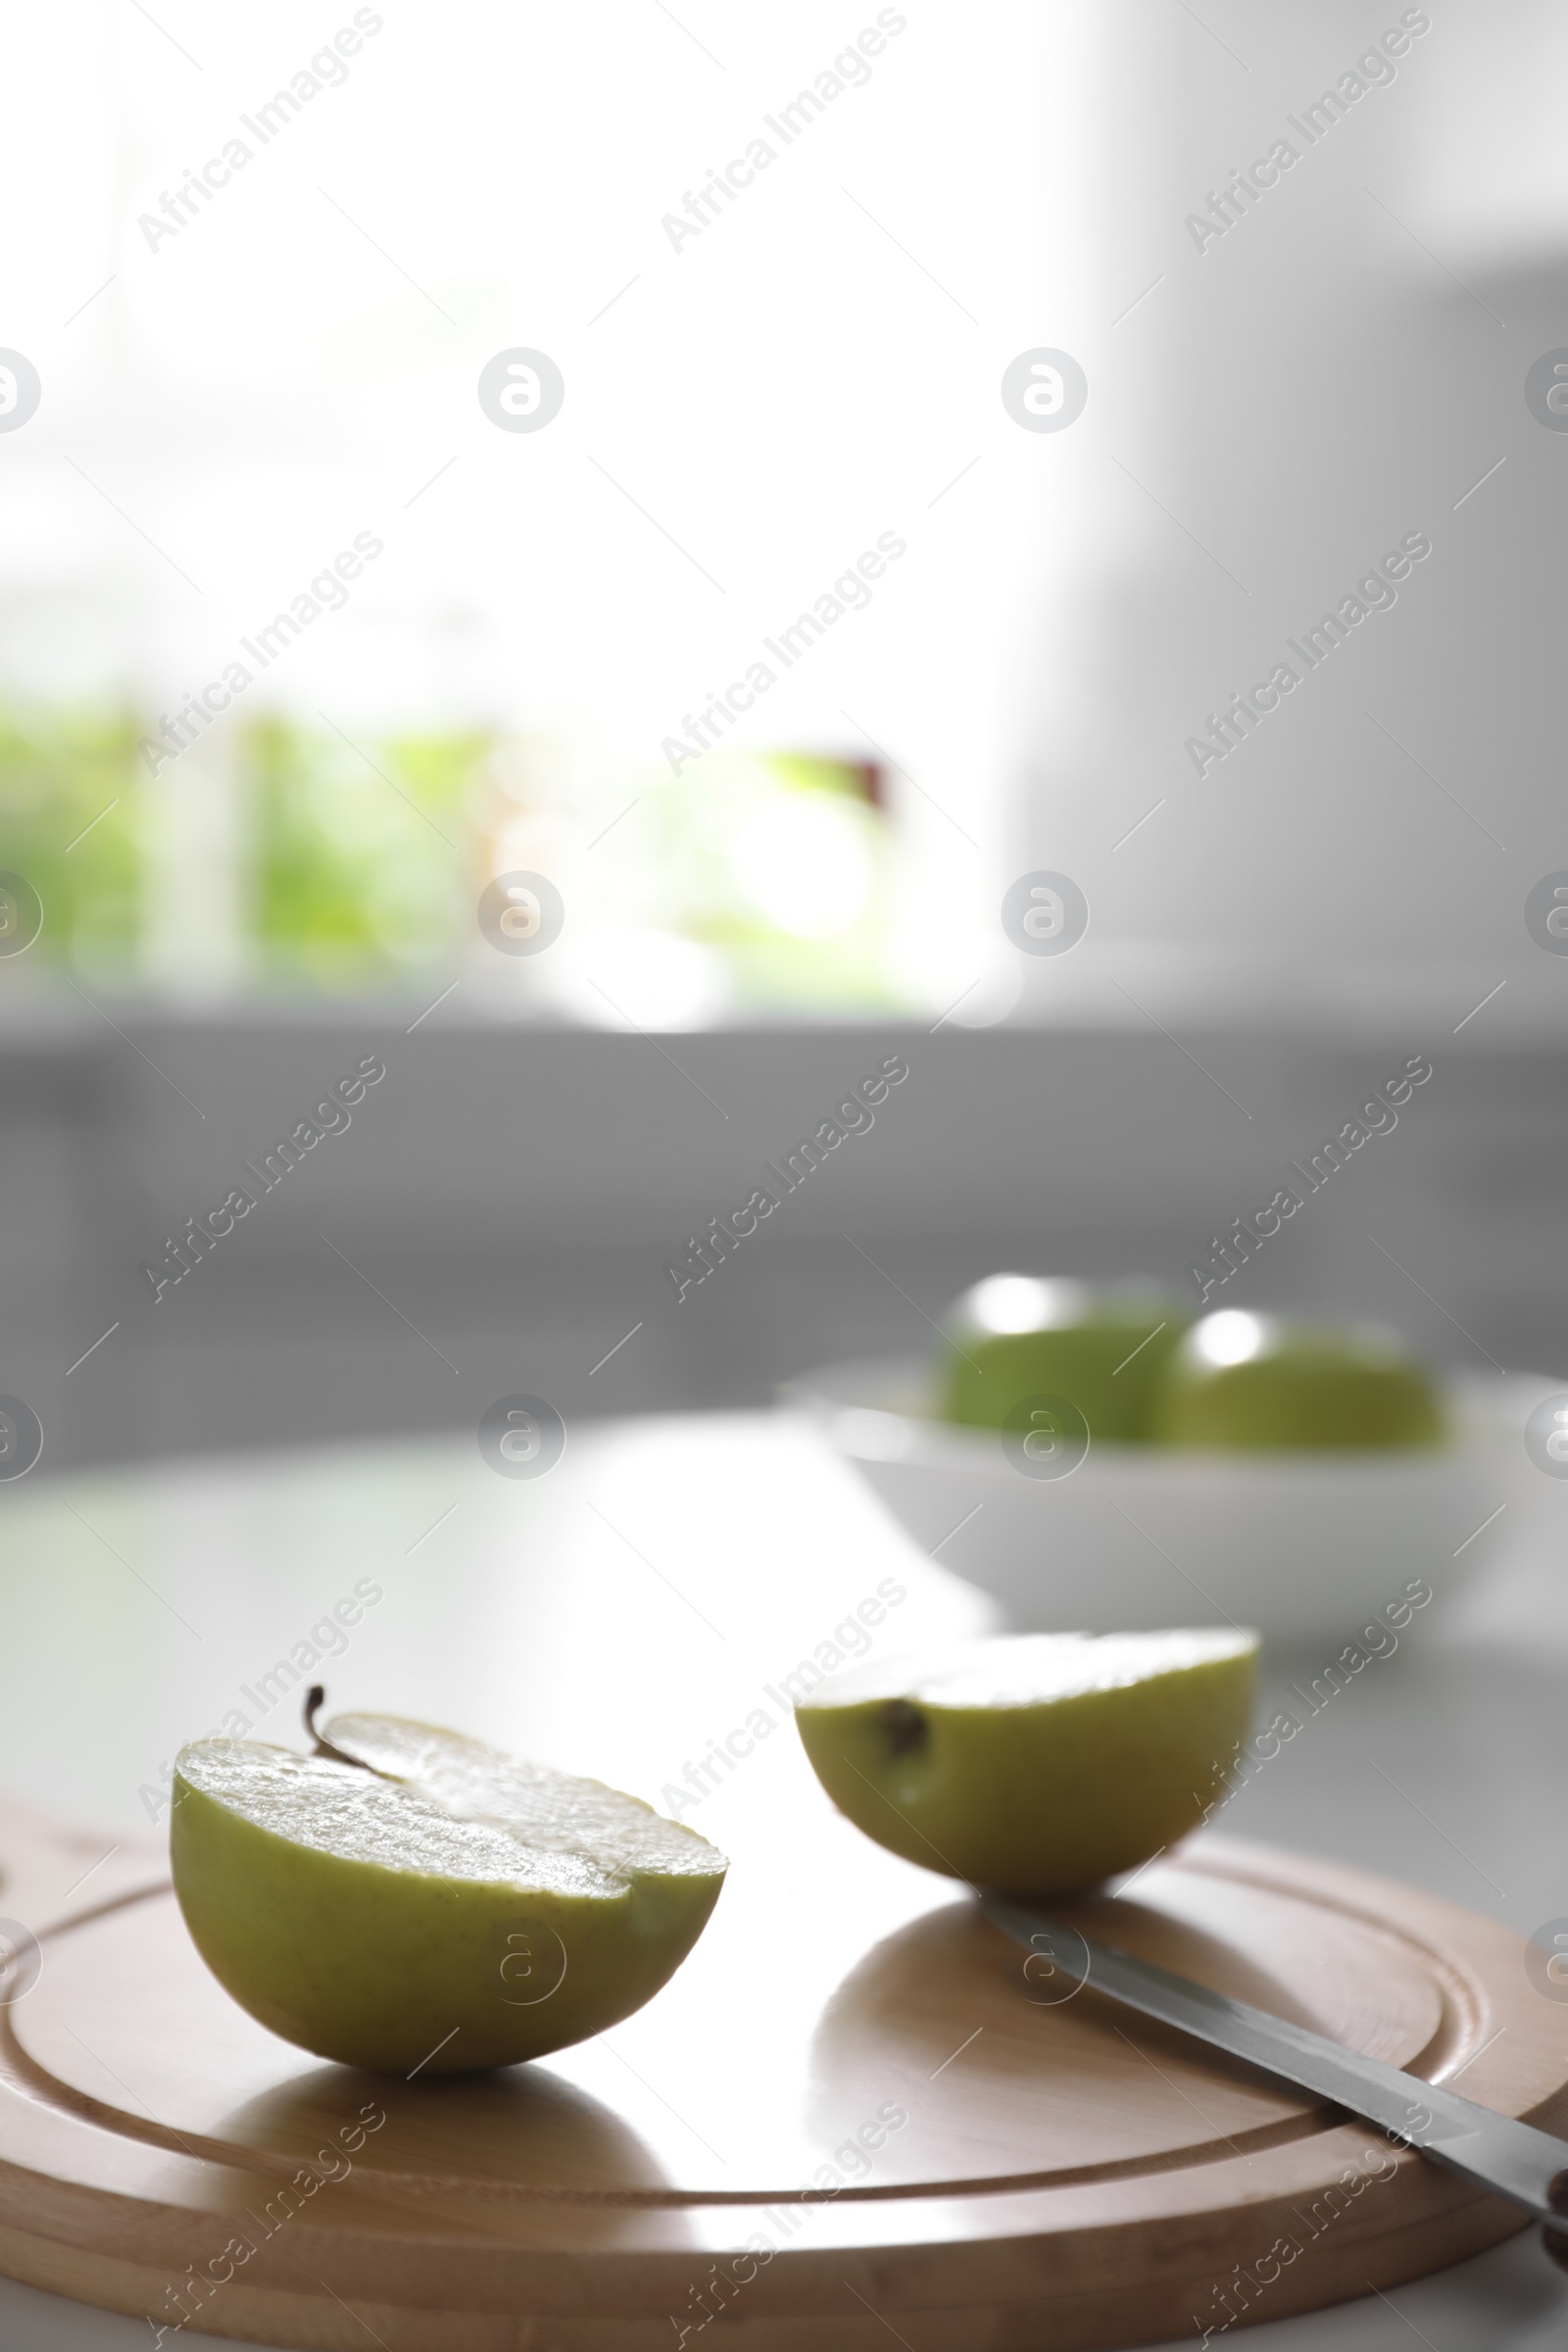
<point x="906" y="1724"/>
<point x="315" y="1699"/>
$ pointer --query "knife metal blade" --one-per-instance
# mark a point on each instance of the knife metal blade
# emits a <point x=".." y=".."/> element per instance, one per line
<point x="1496" y="2152"/>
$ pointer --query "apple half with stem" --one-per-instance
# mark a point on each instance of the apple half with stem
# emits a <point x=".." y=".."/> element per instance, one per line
<point x="1030" y="1764"/>
<point x="412" y="1901"/>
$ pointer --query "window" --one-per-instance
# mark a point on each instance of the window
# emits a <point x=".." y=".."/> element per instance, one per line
<point x="261" y="301"/>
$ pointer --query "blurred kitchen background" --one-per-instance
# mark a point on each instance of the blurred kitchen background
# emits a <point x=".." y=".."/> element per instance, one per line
<point x="287" y="367"/>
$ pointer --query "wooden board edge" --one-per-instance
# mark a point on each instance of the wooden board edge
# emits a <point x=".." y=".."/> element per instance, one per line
<point x="852" y="2310"/>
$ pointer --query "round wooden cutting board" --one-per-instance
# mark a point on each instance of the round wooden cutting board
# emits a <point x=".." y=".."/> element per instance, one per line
<point x="826" y="2128"/>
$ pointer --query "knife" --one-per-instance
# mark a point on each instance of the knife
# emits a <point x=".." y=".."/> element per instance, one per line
<point x="1495" y="2152"/>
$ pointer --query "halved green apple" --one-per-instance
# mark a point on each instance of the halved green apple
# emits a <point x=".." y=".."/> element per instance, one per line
<point x="1255" y="1383"/>
<point x="1033" y="1763"/>
<point x="1100" y="1349"/>
<point x="412" y="1900"/>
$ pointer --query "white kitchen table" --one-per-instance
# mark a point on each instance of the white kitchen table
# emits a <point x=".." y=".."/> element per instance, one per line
<point x="621" y="1612"/>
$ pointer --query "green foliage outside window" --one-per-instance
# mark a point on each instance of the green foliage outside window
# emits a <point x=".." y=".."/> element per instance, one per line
<point x="337" y="867"/>
<point x="70" y="814"/>
<point x="360" y="861"/>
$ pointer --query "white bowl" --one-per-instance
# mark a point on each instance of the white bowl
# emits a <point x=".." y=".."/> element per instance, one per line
<point x="1307" y="1548"/>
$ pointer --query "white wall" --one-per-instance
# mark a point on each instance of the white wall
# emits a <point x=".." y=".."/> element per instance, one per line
<point x="1341" y="368"/>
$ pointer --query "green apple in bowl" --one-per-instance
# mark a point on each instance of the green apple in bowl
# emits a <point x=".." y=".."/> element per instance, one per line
<point x="1031" y="1764"/>
<point x="1014" y="1337"/>
<point x="412" y="1901"/>
<point x="1253" y="1382"/>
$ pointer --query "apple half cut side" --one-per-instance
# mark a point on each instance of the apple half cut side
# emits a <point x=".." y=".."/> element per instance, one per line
<point x="1032" y="1764"/>
<point x="411" y="1900"/>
